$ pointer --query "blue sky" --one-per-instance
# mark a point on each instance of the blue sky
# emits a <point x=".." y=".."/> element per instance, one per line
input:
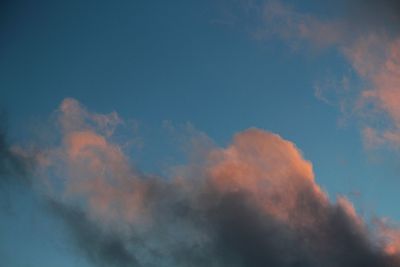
<point x="194" y="62"/>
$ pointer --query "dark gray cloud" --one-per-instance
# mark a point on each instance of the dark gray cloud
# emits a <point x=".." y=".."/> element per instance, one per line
<point x="237" y="233"/>
<point x="98" y="246"/>
<point x="253" y="238"/>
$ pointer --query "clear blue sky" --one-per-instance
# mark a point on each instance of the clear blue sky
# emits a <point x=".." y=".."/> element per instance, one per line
<point x="180" y="61"/>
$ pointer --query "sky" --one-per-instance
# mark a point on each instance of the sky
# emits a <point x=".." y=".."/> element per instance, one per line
<point x="199" y="133"/>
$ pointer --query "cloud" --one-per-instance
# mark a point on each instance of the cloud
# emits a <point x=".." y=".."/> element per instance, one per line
<point x="253" y="203"/>
<point x="367" y="33"/>
<point x="383" y="73"/>
<point x="97" y="245"/>
<point x="15" y="165"/>
<point x="293" y="26"/>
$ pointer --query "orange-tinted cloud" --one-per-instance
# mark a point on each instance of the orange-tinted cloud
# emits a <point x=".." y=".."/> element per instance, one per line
<point x="253" y="203"/>
<point x="379" y="63"/>
<point x="370" y="40"/>
<point x="95" y="171"/>
<point x="269" y="168"/>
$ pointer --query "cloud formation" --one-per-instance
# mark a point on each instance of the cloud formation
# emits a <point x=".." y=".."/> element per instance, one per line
<point x="253" y="203"/>
<point x="367" y="34"/>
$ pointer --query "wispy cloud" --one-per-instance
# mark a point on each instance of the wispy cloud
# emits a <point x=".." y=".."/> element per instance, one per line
<point x="368" y="36"/>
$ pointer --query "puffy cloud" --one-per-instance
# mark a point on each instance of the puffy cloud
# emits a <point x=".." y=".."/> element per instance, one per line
<point x="390" y="234"/>
<point x="91" y="168"/>
<point x="267" y="167"/>
<point x="253" y="203"/>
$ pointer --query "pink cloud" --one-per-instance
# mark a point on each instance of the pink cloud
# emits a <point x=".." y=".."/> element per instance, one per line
<point x="271" y="169"/>
<point x="260" y="182"/>
<point x="377" y="60"/>
<point x="373" y="54"/>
